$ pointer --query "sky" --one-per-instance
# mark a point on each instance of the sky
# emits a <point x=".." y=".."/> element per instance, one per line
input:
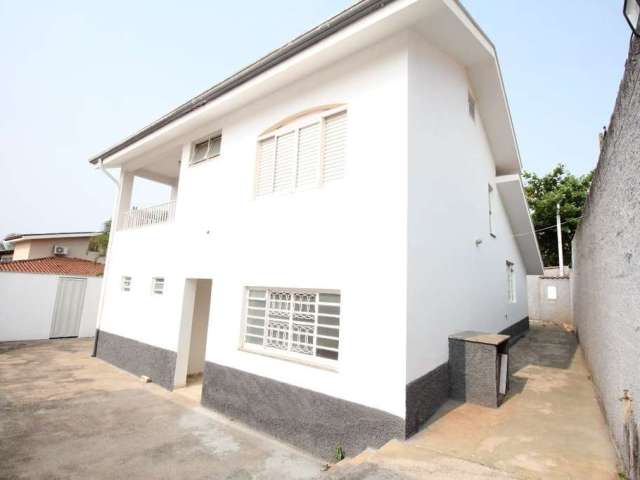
<point x="77" y="77"/>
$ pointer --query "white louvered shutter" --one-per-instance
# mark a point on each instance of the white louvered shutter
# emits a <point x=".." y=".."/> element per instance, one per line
<point x="335" y="143"/>
<point x="266" y="161"/>
<point x="308" y="156"/>
<point x="285" y="168"/>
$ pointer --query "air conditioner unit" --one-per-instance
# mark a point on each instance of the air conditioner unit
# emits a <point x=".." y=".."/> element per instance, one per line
<point x="60" y="250"/>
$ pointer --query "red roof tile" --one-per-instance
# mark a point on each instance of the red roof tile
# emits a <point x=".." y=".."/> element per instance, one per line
<point x="54" y="265"/>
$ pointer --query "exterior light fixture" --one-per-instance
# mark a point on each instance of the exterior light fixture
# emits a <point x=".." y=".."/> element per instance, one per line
<point x="631" y="11"/>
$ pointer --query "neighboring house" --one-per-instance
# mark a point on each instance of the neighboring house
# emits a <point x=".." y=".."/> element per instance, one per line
<point x="49" y="298"/>
<point x="28" y="246"/>
<point x="6" y="255"/>
<point x="550" y="296"/>
<point x="342" y="206"/>
<point x="606" y="270"/>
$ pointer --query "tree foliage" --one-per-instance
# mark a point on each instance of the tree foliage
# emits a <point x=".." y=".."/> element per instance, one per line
<point x="100" y="242"/>
<point x="558" y="186"/>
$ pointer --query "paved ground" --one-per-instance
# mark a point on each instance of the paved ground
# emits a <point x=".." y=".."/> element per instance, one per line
<point x="550" y="427"/>
<point x="66" y="415"/>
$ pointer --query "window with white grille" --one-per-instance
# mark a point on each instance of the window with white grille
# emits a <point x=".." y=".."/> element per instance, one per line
<point x="302" y="156"/>
<point x="297" y="323"/>
<point x="206" y="149"/>
<point x="552" y="292"/>
<point x="125" y="284"/>
<point x="157" y="285"/>
<point x="511" y="282"/>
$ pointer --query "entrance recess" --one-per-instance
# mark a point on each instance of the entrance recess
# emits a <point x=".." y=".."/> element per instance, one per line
<point x="67" y="311"/>
<point x="193" y="336"/>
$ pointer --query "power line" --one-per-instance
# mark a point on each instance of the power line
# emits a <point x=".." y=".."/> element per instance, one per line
<point x="546" y="228"/>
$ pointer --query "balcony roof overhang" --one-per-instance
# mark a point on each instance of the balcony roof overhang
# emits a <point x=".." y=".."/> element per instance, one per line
<point x="443" y="22"/>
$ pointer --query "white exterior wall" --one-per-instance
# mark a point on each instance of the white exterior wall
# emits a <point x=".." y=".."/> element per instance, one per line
<point x="27" y="301"/>
<point x="453" y="285"/>
<point x="349" y="235"/>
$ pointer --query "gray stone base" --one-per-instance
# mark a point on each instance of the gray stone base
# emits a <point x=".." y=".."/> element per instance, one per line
<point x="309" y="420"/>
<point x="516" y="330"/>
<point x="137" y="357"/>
<point x="474" y="367"/>
<point x="424" y="396"/>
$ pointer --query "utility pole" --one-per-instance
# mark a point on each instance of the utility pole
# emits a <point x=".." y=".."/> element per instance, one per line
<point x="560" y="260"/>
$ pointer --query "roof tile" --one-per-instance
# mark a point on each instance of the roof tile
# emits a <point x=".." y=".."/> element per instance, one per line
<point x="54" y="265"/>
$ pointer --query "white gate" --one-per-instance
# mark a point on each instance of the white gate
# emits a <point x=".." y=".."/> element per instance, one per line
<point x="68" y="308"/>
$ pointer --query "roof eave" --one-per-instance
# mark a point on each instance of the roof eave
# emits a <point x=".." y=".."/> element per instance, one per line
<point x="297" y="45"/>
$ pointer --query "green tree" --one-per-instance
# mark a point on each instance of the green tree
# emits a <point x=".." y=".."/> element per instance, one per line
<point x="558" y="186"/>
<point x="100" y="242"/>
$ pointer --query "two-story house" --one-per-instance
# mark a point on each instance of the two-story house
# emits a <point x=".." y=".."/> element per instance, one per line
<point x="342" y="205"/>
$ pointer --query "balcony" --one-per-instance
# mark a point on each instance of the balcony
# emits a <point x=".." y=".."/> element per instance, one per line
<point x="141" y="217"/>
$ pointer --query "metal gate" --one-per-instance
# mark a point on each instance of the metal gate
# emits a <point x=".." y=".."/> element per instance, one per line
<point x="68" y="308"/>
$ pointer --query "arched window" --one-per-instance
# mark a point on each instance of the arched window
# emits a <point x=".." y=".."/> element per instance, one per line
<point x="303" y="151"/>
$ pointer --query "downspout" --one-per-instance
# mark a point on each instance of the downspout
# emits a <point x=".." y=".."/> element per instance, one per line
<point x="102" y="169"/>
<point x="94" y="353"/>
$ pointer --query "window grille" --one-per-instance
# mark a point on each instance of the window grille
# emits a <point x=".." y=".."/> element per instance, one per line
<point x="207" y="149"/>
<point x="125" y="284"/>
<point x="157" y="285"/>
<point x="302" y="157"/>
<point x="511" y="282"/>
<point x="552" y="292"/>
<point x="297" y="322"/>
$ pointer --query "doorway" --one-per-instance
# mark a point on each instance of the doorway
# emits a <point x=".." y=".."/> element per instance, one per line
<point x="67" y="311"/>
<point x="193" y="337"/>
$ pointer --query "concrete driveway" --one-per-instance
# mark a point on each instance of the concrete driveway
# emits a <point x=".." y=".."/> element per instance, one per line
<point x="549" y="427"/>
<point x="66" y="415"/>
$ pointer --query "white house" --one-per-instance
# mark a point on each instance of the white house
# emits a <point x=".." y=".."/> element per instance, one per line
<point x="341" y="206"/>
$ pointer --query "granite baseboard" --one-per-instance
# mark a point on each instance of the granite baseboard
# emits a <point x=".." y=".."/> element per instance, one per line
<point x="516" y="330"/>
<point x="309" y="420"/>
<point x="137" y="357"/>
<point x="424" y="396"/>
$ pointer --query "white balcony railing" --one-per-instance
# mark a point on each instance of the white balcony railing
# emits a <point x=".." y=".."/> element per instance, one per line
<point x="139" y="217"/>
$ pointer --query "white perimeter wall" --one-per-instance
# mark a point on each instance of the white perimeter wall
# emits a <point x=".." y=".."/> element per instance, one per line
<point x="453" y="284"/>
<point x="27" y="301"/>
<point x="349" y="235"/>
<point x="543" y="309"/>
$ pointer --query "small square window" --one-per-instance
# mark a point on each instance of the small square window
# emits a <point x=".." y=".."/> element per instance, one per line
<point x="157" y="285"/>
<point x="206" y="149"/>
<point x="125" y="284"/>
<point x="552" y="292"/>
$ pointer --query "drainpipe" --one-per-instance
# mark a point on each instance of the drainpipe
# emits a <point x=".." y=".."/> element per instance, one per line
<point x="94" y="353"/>
<point x="102" y="169"/>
